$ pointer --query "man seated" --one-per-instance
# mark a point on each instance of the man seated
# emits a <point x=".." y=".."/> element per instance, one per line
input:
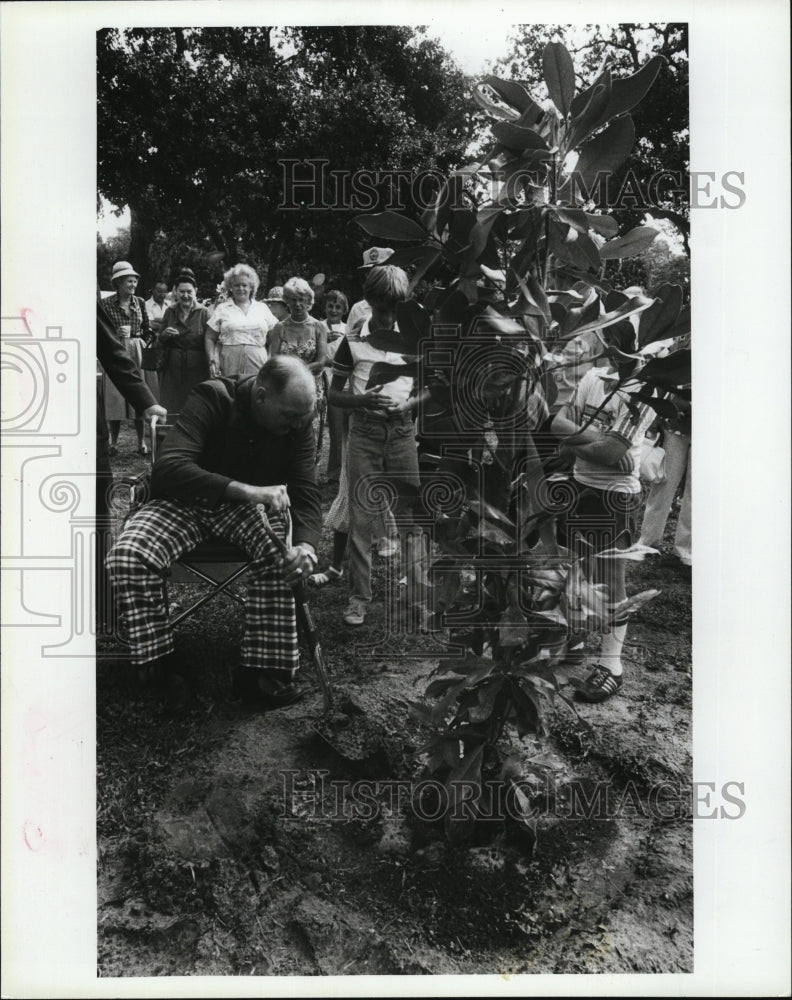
<point x="235" y="447"/>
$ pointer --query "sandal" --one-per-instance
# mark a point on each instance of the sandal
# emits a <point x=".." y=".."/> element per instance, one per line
<point x="143" y="449"/>
<point x="330" y="575"/>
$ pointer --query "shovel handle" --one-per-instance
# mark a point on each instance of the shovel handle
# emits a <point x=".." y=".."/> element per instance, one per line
<point x="304" y="616"/>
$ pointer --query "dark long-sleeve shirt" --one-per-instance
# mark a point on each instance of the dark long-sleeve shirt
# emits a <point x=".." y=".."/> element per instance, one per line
<point x="121" y="370"/>
<point x="215" y="442"/>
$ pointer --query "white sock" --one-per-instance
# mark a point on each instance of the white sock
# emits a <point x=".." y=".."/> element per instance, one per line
<point x="612" y="643"/>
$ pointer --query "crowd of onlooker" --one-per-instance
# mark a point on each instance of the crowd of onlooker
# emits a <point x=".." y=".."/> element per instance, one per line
<point x="248" y="375"/>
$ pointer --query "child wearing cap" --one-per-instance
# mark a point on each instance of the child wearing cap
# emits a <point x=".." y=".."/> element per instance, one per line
<point x="381" y="447"/>
<point x="361" y="310"/>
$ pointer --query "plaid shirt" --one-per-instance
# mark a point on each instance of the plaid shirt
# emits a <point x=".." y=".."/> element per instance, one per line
<point x="137" y="319"/>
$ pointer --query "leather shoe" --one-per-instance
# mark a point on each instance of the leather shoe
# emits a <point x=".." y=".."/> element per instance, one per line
<point x="257" y="689"/>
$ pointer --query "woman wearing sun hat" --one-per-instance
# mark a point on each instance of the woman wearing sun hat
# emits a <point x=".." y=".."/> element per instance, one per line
<point x="130" y="320"/>
<point x="276" y="303"/>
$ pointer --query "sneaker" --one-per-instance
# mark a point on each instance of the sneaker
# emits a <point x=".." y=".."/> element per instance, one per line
<point x="388" y="547"/>
<point x="355" y="613"/>
<point x="598" y="686"/>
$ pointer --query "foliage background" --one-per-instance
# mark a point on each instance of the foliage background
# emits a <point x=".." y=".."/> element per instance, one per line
<point x="192" y="123"/>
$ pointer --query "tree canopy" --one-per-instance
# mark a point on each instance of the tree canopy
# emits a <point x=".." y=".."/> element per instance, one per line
<point x="198" y="127"/>
<point x="661" y="121"/>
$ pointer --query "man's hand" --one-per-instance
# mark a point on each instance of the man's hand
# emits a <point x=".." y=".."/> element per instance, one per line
<point x="272" y="498"/>
<point x="155" y="410"/>
<point x="168" y="334"/>
<point x="299" y="563"/>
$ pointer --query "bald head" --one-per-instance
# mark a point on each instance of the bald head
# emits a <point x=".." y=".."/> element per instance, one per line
<point x="284" y="397"/>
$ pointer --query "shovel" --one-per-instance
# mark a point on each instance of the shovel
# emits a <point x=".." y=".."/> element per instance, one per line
<point x="304" y="617"/>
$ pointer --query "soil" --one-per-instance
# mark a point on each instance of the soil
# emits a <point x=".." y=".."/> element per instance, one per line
<point x="224" y="851"/>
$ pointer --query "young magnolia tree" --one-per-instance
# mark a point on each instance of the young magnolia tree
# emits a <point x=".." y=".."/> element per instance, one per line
<point x="514" y="249"/>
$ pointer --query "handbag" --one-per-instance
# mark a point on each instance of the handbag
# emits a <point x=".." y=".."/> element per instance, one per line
<point x="152" y="356"/>
<point x="652" y="468"/>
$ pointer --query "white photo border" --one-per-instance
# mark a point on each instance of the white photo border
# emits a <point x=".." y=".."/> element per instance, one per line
<point x="739" y="84"/>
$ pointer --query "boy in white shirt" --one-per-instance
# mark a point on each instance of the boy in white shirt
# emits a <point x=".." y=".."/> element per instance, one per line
<point x="381" y="446"/>
<point x="605" y="439"/>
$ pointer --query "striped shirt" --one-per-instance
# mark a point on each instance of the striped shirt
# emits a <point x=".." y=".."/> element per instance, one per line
<point x="355" y="358"/>
<point x="629" y="423"/>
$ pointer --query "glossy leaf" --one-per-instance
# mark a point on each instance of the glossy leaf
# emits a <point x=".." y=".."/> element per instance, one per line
<point x="605" y="153"/>
<point x="589" y="110"/>
<point x="670" y="372"/>
<point x="526" y="711"/>
<point x="492" y="533"/>
<point x="662" y="407"/>
<point x="621" y="341"/>
<point x="406" y="257"/>
<point x="527" y="225"/>
<point x="483" y="700"/>
<point x="559" y="75"/>
<point x="414" y="322"/>
<point x="429" y="257"/>
<point x="633" y="243"/>
<point x="574" y="217"/>
<point x="579" y="315"/>
<point x="567" y="244"/>
<point x="535" y="296"/>
<point x="629" y="91"/>
<point x="452" y="311"/>
<point x="518" y="137"/>
<point x="602" y="286"/>
<point x="449" y="200"/>
<point x="390" y="226"/>
<point x="489" y="320"/>
<point x="481" y="230"/>
<point x="632" y="604"/>
<point x="517" y="96"/>
<point x="486" y="510"/>
<point x="634" y="305"/>
<point x="661" y="317"/>
<point x="382" y="373"/>
<point x="559" y="314"/>
<point x="496" y="276"/>
<point x="496" y="108"/>
<point x="588" y="247"/>
<point x="441" y="686"/>
<point x="461" y="225"/>
<point x="682" y="326"/>
<point x="635" y="553"/>
<point x="605" y="225"/>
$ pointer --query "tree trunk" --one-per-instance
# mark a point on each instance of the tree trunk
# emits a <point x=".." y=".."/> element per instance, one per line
<point x="141" y="236"/>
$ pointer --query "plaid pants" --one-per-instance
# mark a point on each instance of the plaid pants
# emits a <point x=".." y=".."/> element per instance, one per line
<point x="162" y="531"/>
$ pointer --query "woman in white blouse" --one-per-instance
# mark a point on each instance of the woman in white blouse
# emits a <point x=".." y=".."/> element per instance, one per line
<point x="237" y="330"/>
